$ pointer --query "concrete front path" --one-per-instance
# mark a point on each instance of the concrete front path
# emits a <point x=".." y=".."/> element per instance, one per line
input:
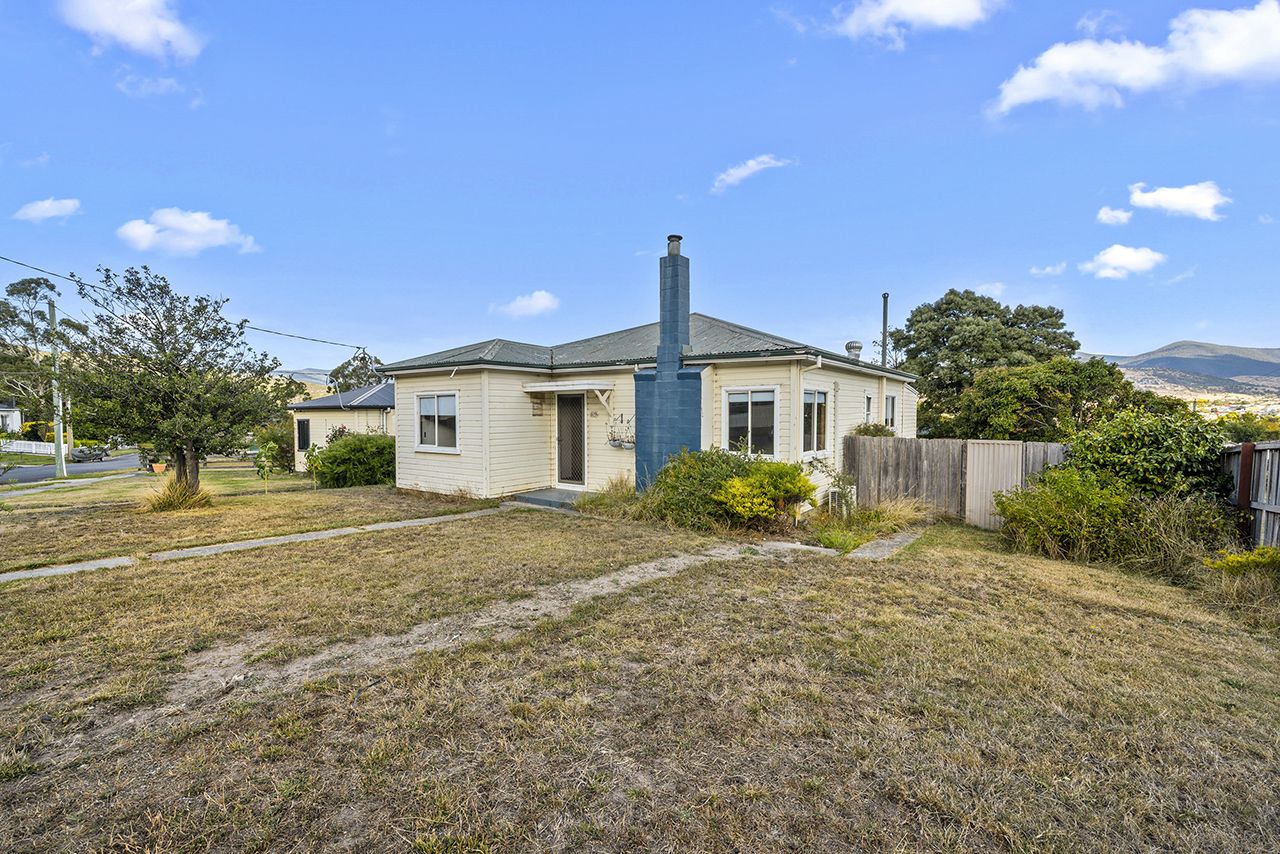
<point x="242" y="545"/>
<point x="887" y="547"/>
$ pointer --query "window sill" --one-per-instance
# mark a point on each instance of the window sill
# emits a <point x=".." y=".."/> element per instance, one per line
<point x="815" y="455"/>
<point x="435" y="449"/>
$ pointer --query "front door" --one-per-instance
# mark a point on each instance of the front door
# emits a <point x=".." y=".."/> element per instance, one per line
<point x="571" y="440"/>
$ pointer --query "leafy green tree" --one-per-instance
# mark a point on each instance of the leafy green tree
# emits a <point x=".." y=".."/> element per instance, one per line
<point x="947" y="342"/>
<point x="25" y="341"/>
<point x="1049" y="401"/>
<point x="1154" y="453"/>
<point x="167" y="369"/>
<point x="355" y="372"/>
<point x="1250" y="427"/>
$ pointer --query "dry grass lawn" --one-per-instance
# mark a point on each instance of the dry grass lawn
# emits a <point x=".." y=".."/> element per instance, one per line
<point x="108" y="519"/>
<point x="955" y="698"/>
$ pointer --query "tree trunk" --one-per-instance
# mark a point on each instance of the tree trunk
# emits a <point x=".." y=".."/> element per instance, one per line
<point x="193" y="467"/>
<point x="179" y="466"/>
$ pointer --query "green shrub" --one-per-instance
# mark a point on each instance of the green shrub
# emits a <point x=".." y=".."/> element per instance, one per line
<point x="873" y="428"/>
<point x="1066" y="514"/>
<point x="683" y="492"/>
<point x="1070" y="514"/>
<point x="361" y="459"/>
<point x="1264" y="560"/>
<point x="765" y="493"/>
<point x="618" y="499"/>
<point x="280" y="435"/>
<point x="175" y="496"/>
<point x="1154" y="453"/>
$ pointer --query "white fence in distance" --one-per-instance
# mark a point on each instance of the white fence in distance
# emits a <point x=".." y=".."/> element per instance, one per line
<point x="21" y="446"/>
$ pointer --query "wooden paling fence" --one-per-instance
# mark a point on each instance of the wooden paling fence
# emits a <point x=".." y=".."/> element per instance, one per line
<point x="1255" y="473"/>
<point x="958" y="477"/>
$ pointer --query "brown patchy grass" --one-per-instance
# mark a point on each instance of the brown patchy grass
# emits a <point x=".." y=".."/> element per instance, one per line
<point x="109" y="519"/>
<point x="955" y="698"/>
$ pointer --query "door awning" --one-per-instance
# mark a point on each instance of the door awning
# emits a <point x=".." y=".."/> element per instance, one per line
<point x="603" y="390"/>
<point x="569" y="385"/>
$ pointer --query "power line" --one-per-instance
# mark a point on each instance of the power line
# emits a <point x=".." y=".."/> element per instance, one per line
<point x="76" y="281"/>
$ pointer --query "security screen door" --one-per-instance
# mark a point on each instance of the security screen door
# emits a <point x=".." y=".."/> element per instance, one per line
<point x="571" y="450"/>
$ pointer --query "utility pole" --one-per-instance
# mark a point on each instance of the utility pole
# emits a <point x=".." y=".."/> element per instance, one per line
<point x="59" y="454"/>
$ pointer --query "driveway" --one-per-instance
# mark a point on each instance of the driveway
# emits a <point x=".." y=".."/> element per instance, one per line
<point x="31" y="474"/>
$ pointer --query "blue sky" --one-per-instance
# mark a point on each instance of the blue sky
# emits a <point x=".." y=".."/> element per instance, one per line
<point x="399" y="175"/>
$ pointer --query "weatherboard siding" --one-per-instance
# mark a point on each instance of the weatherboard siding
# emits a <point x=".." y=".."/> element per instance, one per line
<point x="324" y="420"/>
<point x="521" y="444"/>
<point x="433" y="471"/>
<point x="603" y="461"/>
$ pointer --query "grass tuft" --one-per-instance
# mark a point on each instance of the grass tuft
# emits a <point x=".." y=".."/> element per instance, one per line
<point x="863" y="524"/>
<point x="178" y="496"/>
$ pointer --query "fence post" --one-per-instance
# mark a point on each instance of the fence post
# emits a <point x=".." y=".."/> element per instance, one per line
<point x="1244" y="490"/>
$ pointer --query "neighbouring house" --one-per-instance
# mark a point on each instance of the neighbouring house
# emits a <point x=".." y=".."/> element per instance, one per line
<point x="501" y="417"/>
<point x="368" y="409"/>
<point x="10" y="417"/>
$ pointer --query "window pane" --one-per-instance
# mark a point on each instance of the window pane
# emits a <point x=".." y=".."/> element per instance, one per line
<point x="447" y="404"/>
<point x="428" y="429"/>
<point x="820" y="422"/>
<point x="447" y="431"/>
<point x="304" y="434"/>
<point x="890" y="410"/>
<point x="737" y="419"/>
<point x="808" y="421"/>
<point x="867" y="416"/>
<point x="762" y="422"/>
<point x="426" y="406"/>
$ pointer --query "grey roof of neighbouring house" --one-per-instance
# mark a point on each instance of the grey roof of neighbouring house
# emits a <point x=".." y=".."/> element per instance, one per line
<point x="380" y="396"/>
<point x="709" y="338"/>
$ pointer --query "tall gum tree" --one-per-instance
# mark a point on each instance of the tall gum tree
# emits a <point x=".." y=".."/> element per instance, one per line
<point x="157" y="366"/>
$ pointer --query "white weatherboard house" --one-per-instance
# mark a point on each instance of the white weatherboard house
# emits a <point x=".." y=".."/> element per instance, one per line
<point x="10" y="417"/>
<point x="368" y="409"/>
<point x="501" y="417"/>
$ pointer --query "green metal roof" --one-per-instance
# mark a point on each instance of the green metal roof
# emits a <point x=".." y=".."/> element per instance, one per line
<point x="710" y="338"/>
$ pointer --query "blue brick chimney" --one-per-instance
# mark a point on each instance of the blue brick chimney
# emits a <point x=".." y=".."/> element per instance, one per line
<point x="668" y="398"/>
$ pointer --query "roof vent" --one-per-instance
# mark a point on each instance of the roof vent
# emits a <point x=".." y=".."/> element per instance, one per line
<point x="854" y="349"/>
<point x="673" y="244"/>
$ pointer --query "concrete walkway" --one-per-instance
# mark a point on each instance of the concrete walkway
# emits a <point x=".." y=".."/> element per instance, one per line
<point x="887" y="547"/>
<point x="242" y="545"/>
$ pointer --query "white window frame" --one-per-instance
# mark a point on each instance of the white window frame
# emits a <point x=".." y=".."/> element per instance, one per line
<point x="891" y="418"/>
<point x="777" y="408"/>
<point x="869" y="409"/>
<point x="417" y="422"/>
<point x="827" y="437"/>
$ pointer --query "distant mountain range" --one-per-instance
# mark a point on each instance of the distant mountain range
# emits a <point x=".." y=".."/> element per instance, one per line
<point x="1198" y="367"/>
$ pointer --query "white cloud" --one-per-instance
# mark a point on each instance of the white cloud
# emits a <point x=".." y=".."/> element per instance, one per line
<point x="1206" y="47"/>
<point x="1266" y="219"/>
<point x="149" y="27"/>
<point x="1114" y="216"/>
<point x="1050" y="269"/>
<point x="184" y="233"/>
<point x="137" y="86"/>
<point x="991" y="289"/>
<point x="735" y="175"/>
<point x="1181" y="277"/>
<point x="890" y="19"/>
<point x="1105" y="22"/>
<point x="530" y="305"/>
<point x="47" y="209"/>
<point x="1117" y="262"/>
<point x="1198" y="200"/>
<point x="41" y="159"/>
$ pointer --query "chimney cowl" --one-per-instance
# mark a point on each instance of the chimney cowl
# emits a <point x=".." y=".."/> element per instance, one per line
<point x="854" y="349"/>
<point x="673" y="244"/>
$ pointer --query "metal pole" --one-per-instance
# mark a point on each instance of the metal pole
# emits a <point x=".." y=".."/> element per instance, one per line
<point x="884" y="332"/>
<point x="59" y="453"/>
